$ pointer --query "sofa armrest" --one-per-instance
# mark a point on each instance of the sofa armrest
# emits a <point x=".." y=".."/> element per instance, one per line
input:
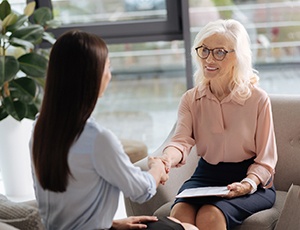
<point x="289" y="217"/>
<point x="4" y="226"/>
<point x="32" y="203"/>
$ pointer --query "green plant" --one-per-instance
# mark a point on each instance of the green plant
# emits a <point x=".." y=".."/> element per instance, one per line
<point x="22" y="63"/>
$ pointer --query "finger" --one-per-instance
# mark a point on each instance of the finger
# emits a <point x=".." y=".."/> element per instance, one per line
<point x="236" y="189"/>
<point x="151" y="159"/>
<point x="147" y="218"/>
<point x="168" y="168"/>
<point x="138" y="226"/>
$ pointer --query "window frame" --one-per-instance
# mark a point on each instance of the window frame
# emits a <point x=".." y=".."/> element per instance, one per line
<point x="175" y="27"/>
<point x="131" y="31"/>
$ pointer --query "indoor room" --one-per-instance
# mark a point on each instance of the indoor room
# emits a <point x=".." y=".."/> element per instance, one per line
<point x="150" y="44"/>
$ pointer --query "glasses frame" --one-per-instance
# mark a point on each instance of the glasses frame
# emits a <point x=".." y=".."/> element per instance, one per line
<point x="212" y="51"/>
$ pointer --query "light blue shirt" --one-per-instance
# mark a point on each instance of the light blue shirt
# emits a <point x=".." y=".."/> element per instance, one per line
<point x="101" y="169"/>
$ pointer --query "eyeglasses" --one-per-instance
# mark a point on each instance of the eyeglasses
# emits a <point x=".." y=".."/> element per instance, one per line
<point x="218" y="53"/>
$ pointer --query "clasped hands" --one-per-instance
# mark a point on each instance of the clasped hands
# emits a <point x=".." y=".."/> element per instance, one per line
<point x="163" y="164"/>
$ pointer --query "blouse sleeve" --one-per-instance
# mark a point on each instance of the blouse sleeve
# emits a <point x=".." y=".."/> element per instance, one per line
<point x="183" y="138"/>
<point x="266" y="151"/>
<point x="114" y="165"/>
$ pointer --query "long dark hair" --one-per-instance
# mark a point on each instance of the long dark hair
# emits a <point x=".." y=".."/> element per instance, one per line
<point x="76" y="65"/>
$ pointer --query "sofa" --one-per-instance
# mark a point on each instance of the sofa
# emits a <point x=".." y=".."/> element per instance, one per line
<point x="285" y="212"/>
<point x="19" y="215"/>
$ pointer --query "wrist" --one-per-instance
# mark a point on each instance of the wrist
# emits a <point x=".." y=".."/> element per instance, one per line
<point x="173" y="155"/>
<point x="252" y="183"/>
<point x="113" y="227"/>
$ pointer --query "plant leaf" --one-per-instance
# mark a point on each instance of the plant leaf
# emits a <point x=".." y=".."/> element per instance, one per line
<point x="40" y="81"/>
<point x="42" y="15"/>
<point x="4" y="9"/>
<point x="21" y="43"/>
<point x="32" y="110"/>
<point x="16" y="109"/>
<point x="20" y="21"/>
<point x="9" y="20"/>
<point x="3" y="113"/>
<point x="33" y="64"/>
<point x="49" y="37"/>
<point x="53" y="23"/>
<point x="9" y="67"/>
<point x="23" y="89"/>
<point x="29" y="9"/>
<point x="31" y="33"/>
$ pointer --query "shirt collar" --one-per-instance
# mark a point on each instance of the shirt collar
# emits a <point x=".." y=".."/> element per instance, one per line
<point x="205" y="92"/>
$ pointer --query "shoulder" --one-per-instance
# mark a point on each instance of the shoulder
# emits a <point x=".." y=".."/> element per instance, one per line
<point x="95" y="133"/>
<point x="259" y="95"/>
<point x="259" y="98"/>
<point x="194" y="93"/>
<point x="195" y="90"/>
<point x="98" y="131"/>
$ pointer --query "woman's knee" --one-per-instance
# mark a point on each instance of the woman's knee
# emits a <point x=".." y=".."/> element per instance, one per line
<point x="210" y="215"/>
<point x="184" y="212"/>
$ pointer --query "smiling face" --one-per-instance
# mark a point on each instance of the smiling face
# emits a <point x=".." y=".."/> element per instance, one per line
<point x="214" y="69"/>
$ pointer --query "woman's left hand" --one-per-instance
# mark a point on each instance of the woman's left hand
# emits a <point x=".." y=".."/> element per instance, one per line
<point x="238" y="189"/>
<point x="133" y="222"/>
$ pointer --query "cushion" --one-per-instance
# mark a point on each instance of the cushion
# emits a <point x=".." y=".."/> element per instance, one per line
<point x="266" y="219"/>
<point x="19" y="215"/>
<point x="263" y="220"/>
<point x="7" y="227"/>
<point x="289" y="217"/>
<point x="164" y="210"/>
<point x="136" y="150"/>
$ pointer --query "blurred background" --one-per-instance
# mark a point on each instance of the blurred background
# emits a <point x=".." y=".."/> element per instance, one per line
<point x="149" y="43"/>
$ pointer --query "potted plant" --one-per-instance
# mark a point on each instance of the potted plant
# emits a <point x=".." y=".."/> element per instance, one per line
<point x="22" y="65"/>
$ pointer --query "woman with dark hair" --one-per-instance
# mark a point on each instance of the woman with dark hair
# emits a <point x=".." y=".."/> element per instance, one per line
<point x="228" y="119"/>
<point x="80" y="167"/>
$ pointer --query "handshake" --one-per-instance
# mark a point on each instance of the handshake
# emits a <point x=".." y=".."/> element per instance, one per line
<point x="159" y="168"/>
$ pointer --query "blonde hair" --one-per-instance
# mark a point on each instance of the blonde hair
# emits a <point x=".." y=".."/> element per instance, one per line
<point x="244" y="76"/>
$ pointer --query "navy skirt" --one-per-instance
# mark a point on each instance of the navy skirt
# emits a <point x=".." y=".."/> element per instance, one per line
<point x="236" y="209"/>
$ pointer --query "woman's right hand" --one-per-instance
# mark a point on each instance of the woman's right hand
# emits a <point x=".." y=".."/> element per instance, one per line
<point x="171" y="157"/>
<point x="167" y="162"/>
<point x="157" y="169"/>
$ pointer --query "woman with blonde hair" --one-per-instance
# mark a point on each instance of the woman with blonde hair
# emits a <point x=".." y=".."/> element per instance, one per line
<point x="228" y="119"/>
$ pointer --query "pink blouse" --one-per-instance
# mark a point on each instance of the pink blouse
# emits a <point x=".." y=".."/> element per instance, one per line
<point x="232" y="130"/>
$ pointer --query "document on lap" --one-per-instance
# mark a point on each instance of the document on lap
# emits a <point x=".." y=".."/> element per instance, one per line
<point x="203" y="191"/>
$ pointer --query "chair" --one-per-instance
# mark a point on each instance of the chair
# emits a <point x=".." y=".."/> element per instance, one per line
<point x="286" y="115"/>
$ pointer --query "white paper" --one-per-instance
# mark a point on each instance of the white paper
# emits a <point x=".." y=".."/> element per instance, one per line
<point x="204" y="191"/>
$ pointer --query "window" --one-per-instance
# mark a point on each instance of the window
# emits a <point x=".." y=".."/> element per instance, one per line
<point x="95" y="11"/>
<point x="149" y="50"/>
<point x="120" y="21"/>
<point x="18" y="5"/>
<point x="148" y="58"/>
<point x="273" y="26"/>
